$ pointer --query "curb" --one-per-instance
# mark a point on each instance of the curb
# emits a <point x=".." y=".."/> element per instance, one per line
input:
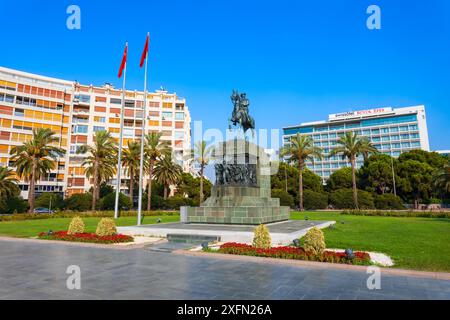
<point x="316" y="265"/>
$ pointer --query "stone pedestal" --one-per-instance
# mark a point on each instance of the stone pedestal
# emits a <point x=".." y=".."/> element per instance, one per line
<point x="240" y="202"/>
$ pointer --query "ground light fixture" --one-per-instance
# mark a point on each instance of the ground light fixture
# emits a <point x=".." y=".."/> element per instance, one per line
<point x="204" y="245"/>
<point x="349" y="253"/>
<point x="296" y="242"/>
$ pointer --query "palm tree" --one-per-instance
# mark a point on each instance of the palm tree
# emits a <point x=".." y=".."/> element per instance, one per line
<point x="167" y="173"/>
<point x="442" y="177"/>
<point x="8" y="183"/>
<point x="367" y="148"/>
<point x="299" y="151"/>
<point x="155" y="149"/>
<point x="202" y="154"/>
<point x="36" y="158"/>
<point x="100" y="162"/>
<point x="350" y="146"/>
<point x="131" y="158"/>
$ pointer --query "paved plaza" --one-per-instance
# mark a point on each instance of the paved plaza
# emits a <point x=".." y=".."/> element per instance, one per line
<point x="37" y="270"/>
<point x="281" y="232"/>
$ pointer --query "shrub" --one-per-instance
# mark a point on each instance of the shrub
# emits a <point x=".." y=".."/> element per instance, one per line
<point x="314" y="241"/>
<point x="343" y="199"/>
<point x="13" y="205"/>
<point x="108" y="202"/>
<point x="261" y="238"/>
<point x="79" y="202"/>
<point x="106" y="227"/>
<point x="315" y="200"/>
<point x="44" y="200"/>
<point x="286" y="199"/>
<point x="388" y="201"/>
<point x="76" y="226"/>
<point x="176" y="201"/>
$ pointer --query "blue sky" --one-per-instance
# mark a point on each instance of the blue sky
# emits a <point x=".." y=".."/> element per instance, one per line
<point x="297" y="60"/>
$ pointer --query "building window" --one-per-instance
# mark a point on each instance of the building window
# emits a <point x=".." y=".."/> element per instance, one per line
<point x="98" y="128"/>
<point x="19" y="112"/>
<point x="81" y="129"/>
<point x="83" y="98"/>
<point x="403" y="128"/>
<point x="394" y="129"/>
<point x="404" y="136"/>
<point x="179" y="135"/>
<point x="179" y="115"/>
<point x="166" y="115"/>
<point x="406" y="144"/>
<point x="115" y="101"/>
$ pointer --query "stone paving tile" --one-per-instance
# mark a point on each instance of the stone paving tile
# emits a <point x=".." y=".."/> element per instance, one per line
<point x="37" y="271"/>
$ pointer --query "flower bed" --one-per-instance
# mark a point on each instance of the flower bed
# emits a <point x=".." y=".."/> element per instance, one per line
<point x="85" y="237"/>
<point x="297" y="253"/>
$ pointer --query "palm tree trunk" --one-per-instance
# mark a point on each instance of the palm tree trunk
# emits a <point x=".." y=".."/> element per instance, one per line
<point x="355" y="191"/>
<point x="300" y="187"/>
<point x="31" y="190"/>
<point x="149" y="194"/>
<point x="131" y="186"/>
<point x="94" y="191"/>
<point x="201" y="183"/>
<point x="165" y="192"/>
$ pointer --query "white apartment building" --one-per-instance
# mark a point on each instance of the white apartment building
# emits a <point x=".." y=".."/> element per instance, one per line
<point x="391" y="130"/>
<point x="75" y="112"/>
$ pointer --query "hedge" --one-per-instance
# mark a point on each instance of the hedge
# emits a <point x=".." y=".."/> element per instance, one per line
<point x="399" y="214"/>
<point x="87" y="214"/>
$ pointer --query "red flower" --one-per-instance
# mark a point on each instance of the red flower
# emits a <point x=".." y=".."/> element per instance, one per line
<point x="298" y="253"/>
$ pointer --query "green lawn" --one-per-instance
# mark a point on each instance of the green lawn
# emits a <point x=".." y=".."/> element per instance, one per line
<point x="413" y="243"/>
<point x="31" y="228"/>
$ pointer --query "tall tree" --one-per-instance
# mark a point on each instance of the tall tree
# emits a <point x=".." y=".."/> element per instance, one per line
<point x="442" y="178"/>
<point x="155" y="149"/>
<point x="350" y="146"/>
<point x="131" y="158"/>
<point x="367" y="148"/>
<point x="300" y="150"/>
<point x="377" y="173"/>
<point x="167" y="173"/>
<point x="36" y="158"/>
<point x="8" y="183"/>
<point x="416" y="180"/>
<point x="202" y="155"/>
<point x="100" y="162"/>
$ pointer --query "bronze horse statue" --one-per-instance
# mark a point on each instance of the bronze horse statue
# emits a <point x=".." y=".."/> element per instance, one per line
<point x="240" y="115"/>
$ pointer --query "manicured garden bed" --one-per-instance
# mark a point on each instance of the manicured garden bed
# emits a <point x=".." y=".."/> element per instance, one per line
<point x="85" y="237"/>
<point x="296" y="253"/>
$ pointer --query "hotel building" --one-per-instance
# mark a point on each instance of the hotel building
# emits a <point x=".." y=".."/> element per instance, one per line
<point x="75" y="112"/>
<point x="392" y="131"/>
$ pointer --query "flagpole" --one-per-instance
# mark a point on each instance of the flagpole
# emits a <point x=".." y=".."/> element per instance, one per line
<point x="141" y="165"/>
<point x="119" y="156"/>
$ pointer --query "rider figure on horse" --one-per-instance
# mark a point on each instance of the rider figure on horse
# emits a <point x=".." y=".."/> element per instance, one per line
<point x="240" y="112"/>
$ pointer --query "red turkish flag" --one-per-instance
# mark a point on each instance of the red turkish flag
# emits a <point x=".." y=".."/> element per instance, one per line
<point x="124" y="61"/>
<point x="145" y="52"/>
